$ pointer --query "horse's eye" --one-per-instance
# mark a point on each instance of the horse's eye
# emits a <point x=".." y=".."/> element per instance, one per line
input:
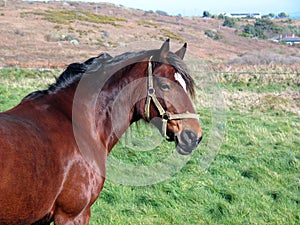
<point x="165" y="87"/>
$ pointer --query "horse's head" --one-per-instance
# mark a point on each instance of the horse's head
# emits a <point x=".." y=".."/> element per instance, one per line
<point x="168" y="103"/>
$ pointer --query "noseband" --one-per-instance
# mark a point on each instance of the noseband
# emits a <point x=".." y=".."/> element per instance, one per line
<point x="165" y="115"/>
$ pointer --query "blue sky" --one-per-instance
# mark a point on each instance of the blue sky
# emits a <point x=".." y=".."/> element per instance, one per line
<point x="196" y="7"/>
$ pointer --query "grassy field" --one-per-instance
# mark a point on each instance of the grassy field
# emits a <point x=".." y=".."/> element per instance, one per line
<point x="254" y="179"/>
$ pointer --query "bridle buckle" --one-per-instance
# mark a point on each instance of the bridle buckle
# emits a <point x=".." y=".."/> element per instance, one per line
<point x="166" y="116"/>
<point x="151" y="91"/>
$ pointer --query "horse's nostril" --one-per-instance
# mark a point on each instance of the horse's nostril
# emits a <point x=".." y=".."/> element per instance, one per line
<point x="187" y="141"/>
<point x="188" y="137"/>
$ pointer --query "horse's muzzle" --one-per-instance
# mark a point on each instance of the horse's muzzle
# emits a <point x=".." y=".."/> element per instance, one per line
<point x="186" y="142"/>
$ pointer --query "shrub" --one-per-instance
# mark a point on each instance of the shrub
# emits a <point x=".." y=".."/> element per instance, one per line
<point x="213" y="35"/>
<point x="261" y="27"/>
<point x="206" y="14"/>
<point x="171" y="35"/>
<point x="209" y="33"/>
<point x="283" y="15"/>
<point x="271" y="15"/>
<point x="266" y="24"/>
<point x="147" y="24"/>
<point x="229" y="22"/>
<point x="162" y="13"/>
<point x="293" y="29"/>
<point x="220" y="16"/>
<point x="69" y="16"/>
<point x="252" y="31"/>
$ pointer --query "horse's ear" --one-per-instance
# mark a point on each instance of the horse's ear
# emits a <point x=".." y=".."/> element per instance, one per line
<point x="165" y="48"/>
<point x="181" y="52"/>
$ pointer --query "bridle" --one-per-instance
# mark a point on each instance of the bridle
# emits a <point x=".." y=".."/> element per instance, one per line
<point x="165" y="115"/>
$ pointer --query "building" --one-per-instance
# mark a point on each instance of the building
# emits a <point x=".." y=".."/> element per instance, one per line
<point x="243" y="15"/>
<point x="292" y="40"/>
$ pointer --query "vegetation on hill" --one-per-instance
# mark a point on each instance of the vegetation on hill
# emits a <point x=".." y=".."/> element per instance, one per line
<point x="263" y="28"/>
<point x="70" y="16"/>
<point x="230" y="22"/>
<point x="55" y="31"/>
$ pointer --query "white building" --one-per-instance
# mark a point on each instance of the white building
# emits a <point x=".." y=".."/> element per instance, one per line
<point x="243" y="15"/>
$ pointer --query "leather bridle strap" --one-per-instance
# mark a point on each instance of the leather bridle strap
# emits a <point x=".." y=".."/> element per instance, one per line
<point x="165" y="116"/>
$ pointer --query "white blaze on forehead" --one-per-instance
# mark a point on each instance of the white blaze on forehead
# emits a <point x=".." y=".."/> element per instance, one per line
<point x="181" y="81"/>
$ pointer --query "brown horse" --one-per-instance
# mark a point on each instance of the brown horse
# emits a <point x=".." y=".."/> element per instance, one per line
<point x="48" y="142"/>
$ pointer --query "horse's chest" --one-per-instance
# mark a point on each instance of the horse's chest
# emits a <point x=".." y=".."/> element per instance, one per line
<point x="80" y="189"/>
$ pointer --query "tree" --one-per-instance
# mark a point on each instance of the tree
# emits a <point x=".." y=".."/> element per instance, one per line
<point x="271" y="15"/>
<point x="220" y="16"/>
<point x="252" y="31"/>
<point x="283" y="15"/>
<point x="206" y="14"/>
<point x="162" y="13"/>
<point x="229" y="22"/>
<point x="213" y="35"/>
<point x="267" y="24"/>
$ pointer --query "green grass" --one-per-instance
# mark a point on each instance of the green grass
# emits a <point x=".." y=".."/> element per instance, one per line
<point x="254" y="178"/>
<point x="16" y="83"/>
<point x="258" y="83"/>
<point x="169" y="34"/>
<point x="70" y="16"/>
<point x="147" y="24"/>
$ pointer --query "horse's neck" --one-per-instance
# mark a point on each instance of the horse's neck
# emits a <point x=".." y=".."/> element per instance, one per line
<point x="102" y="109"/>
<point x="117" y="105"/>
<point x="62" y="100"/>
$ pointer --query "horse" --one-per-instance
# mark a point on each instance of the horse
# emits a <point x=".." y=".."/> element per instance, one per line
<point x="45" y="175"/>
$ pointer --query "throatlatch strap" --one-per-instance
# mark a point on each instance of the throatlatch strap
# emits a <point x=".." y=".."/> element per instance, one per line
<point x="183" y="116"/>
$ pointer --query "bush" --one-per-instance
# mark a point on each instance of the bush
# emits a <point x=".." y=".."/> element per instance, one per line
<point x="283" y="15"/>
<point x="220" y="16"/>
<point x="229" y="22"/>
<point x="70" y="16"/>
<point x="206" y="14"/>
<point x="293" y="30"/>
<point x="266" y="24"/>
<point x="271" y="15"/>
<point x="209" y="33"/>
<point x="260" y="27"/>
<point x="252" y="31"/>
<point x="213" y="35"/>
<point x="162" y="13"/>
<point x="171" y="35"/>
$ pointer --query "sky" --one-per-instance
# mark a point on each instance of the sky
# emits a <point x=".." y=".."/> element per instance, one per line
<point x="196" y="7"/>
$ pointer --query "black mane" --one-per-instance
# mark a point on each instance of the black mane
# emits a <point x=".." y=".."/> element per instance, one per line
<point x="128" y="58"/>
<point x="72" y="73"/>
<point x="75" y="71"/>
<point x="106" y="62"/>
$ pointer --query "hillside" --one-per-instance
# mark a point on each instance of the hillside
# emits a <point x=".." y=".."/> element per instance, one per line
<point x="37" y="34"/>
